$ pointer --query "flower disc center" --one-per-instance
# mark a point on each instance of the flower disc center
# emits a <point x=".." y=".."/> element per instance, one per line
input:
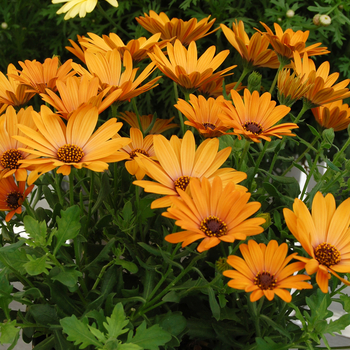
<point x="138" y="150"/>
<point x="253" y="127"/>
<point x="182" y="182"/>
<point x="10" y="158"/>
<point x="213" y="227"/>
<point x="326" y="254"/>
<point x="14" y="199"/>
<point x="209" y="126"/>
<point x="70" y="154"/>
<point x="264" y="280"/>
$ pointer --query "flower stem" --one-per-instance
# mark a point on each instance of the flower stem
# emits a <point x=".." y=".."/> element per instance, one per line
<point x="109" y="19"/>
<point x="137" y="115"/>
<point x="246" y="70"/>
<point x="309" y="175"/>
<point x="182" y="126"/>
<point x="244" y="153"/>
<point x="257" y="163"/>
<point x="71" y="187"/>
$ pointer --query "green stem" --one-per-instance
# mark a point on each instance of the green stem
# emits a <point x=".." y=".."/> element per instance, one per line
<point x="99" y="277"/>
<point x="92" y="183"/>
<point x="182" y="125"/>
<point x="29" y="209"/>
<point x="244" y="153"/>
<point x="347" y="143"/>
<point x="133" y="101"/>
<point x="283" y="62"/>
<point x="71" y="187"/>
<point x="257" y="163"/>
<point x="58" y="188"/>
<point x="301" y="156"/>
<point x="256" y="317"/>
<point x="309" y="175"/>
<point x="246" y="70"/>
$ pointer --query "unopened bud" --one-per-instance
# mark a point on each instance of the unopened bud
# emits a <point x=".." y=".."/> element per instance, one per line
<point x="4" y="25"/>
<point x="267" y="218"/>
<point x="316" y="20"/>
<point x="290" y="13"/>
<point x="325" y="20"/>
<point x="279" y="19"/>
<point x="254" y="82"/>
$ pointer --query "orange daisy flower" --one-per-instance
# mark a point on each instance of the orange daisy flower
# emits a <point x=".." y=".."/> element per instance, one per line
<point x="334" y="115"/>
<point x="264" y="271"/>
<point x="138" y="145"/>
<point x="40" y="76"/>
<point x="203" y="114"/>
<point x="138" y="48"/>
<point x="322" y="90"/>
<point x="290" y="87"/>
<point x="254" y="51"/>
<point x="11" y="150"/>
<point x="215" y="88"/>
<point x="77" y="50"/>
<point x="78" y="91"/>
<point x="179" y="161"/>
<point x="285" y="43"/>
<point x="112" y="73"/>
<point x="74" y="144"/>
<point x="160" y="125"/>
<point x="255" y="116"/>
<point x="214" y="213"/>
<point x="185" y="31"/>
<point x="12" y="92"/>
<point x="325" y="236"/>
<point x="12" y="196"/>
<point x="184" y="68"/>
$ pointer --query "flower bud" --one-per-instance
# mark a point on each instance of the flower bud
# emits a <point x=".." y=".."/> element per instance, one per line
<point x="254" y="82"/>
<point x="279" y="19"/>
<point x="325" y="20"/>
<point x="267" y="218"/>
<point x="316" y="20"/>
<point x="4" y="25"/>
<point x="290" y="13"/>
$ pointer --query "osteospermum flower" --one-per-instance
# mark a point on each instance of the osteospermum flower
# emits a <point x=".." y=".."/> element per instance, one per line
<point x="40" y="76"/>
<point x="255" y="116"/>
<point x="322" y="89"/>
<point x="185" y="31"/>
<point x="215" y="88"/>
<point x="334" y="115"/>
<point x="214" y="213"/>
<point x="202" y="114"/>
<point x="183" y="67"/>
<point x="285" y="43"/>
<point x="73" y="8"/>
<point x="12" y="92"/>
<point x="72" y="145"/>
<point x="325" y="236"/>
<point x="138" y="145"/>
<point x="264" y="271"/>
<point x="117" y="73"/>
<point x="78" y="51"/>
<point x="12" y="196"/>
<point x="179" y="161"/>
<point x="291" y="88"/>
<point x="11" y="150"/>
<point x="254" y="51"/>
<point x="160" y="125"/>
<point x="138" y="48"/>
<point x="79" y="91"/>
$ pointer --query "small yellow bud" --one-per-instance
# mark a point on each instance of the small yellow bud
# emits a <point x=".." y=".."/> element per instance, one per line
<point x="4" y="25"/>
<point x="279" y="19"/>
<point x="290" y="13"/>
<point x="316" y="20"/>
<point x="325" y="20"/>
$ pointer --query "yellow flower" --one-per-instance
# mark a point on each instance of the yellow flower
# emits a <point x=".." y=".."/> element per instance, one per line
<point x="12" y="92"/>
<point x="325" y="236"/>
<point x="160" y="125"/>
<point x="185" y="31"/>
<point x="203" y="114"/>
<point x="334" y="115"/>
<point x="214" y="213"/>
<point x="81" y="7"/>
<point x="75" y="144"/>
<point x="115" y="73"/>
<point x="12" y="196"/>
<point x="185" y="69"/>
<point x="77" y="92"/>
<point x="11" y="150"/>
<point x="255" y="116"/>
<point x="138" y="145"/>
<point x="285" y="43"/>
<point x="322" y="90"/>
<point x="215" y="88"/>
<point x="254" y="51"/>
<point x="179" y="162"/>
<point x="40" y="76"/>
<point x="264" y="271"/>
<point x="138" y="48"/>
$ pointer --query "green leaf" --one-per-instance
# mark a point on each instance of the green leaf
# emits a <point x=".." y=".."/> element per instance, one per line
<point x="213" y="303"/>
<point x="9" y="332"/>
<point x="68" y="226"/>
<point x="171" y="297"/>
<point x="36" y="266"/>
<point x="104" y="191"/>
<point x="127" y="346"/>
<point x="173" y="322"/>
<point x="313" y="130"/>
<point x="78" y="332"/>
<point x="68" y="276"/>
<point x="268" y="344"/>
<point x="128" y="265"/>
<point x="43" y="314"/>
<point x="37" y="231"/>
<point x="60" y="341"/>
<point x="149" y="339"/>
<point x="276" y="326"/>
<point x="338" y="325"/>
<point x="116" y="322"/>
